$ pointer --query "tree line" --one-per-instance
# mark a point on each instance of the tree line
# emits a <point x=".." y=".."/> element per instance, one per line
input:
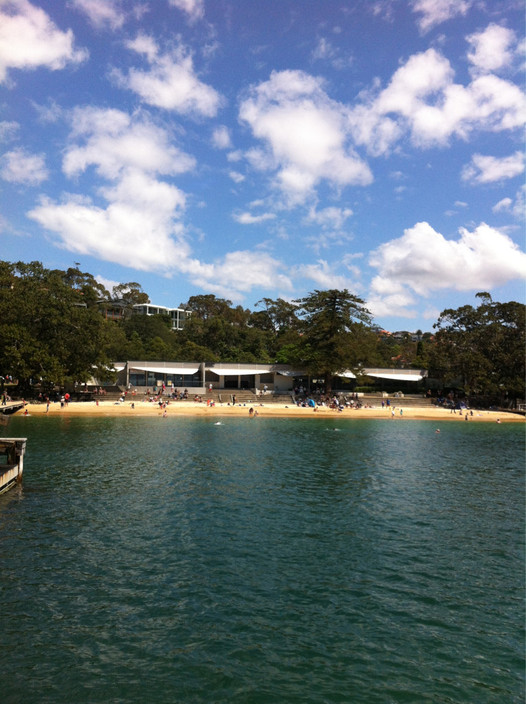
<point x="52" y="332"/>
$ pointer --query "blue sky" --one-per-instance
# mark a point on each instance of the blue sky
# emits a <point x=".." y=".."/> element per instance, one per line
<point x="267" y="149"/>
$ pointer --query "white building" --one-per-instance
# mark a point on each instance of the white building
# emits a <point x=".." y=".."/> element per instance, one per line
<point x="178" y="316"/>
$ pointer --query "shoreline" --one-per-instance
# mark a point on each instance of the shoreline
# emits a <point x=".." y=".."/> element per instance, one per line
<point x="194" y="409"/>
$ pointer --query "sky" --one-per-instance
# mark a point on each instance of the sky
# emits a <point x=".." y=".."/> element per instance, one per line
<point x="255" y="150"/>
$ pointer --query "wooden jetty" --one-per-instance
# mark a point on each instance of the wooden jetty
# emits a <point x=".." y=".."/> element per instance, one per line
<point x="11" y="407"/>
<point x="11" y="470"/>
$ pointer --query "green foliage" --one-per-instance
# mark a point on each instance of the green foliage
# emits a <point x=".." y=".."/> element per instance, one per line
<point x="130" y="294"/>
<point x="50" y="326"/>
<point x="483" y="347"/>
<point x="334" y="324"/>
<point x="51" y="329"/>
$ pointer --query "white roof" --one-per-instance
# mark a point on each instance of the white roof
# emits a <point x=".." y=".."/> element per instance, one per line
<point x="167" y="369"/>
<point x="237" y="372"/>
<point x="396" y="377"/>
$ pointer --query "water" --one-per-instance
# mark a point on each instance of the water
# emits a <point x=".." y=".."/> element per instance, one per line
<point x="263" y="561"/>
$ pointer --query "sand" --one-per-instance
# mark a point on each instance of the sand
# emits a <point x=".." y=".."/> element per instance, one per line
<point x="190" y="408"/>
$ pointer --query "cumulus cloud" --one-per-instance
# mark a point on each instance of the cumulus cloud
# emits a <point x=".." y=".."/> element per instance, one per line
<point x="136" y="218"/>
<point x="423" y="99"/>
<point x="434" y="12"/>
<point x="18" y="166"/>
<point x="392" y="302"/>
<point x="113" y="141"/>
<point x="139" y="224"/>
<point x="489" y="169"/>
<point x="29" y="39"/>
<point x="304" y="135"/>
<point x="424" y="261"/>
<point x="135" y="229"/>
<point x="237" y="273"/>
<point x="195" y="9"/>
<point x="171" y="82"/>
<point x="101" y="13"/>
<point x="491" y="49"/>
<point x="249" y="219"/>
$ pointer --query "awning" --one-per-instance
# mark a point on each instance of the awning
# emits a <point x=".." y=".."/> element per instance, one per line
<point x="347" y="375"/>
<point x="237" y="372"/>
<point x="396" y="377"/>
<point x="116" y="367"/>
<point x="163" y="370"/>
<point x="285" y="373"/>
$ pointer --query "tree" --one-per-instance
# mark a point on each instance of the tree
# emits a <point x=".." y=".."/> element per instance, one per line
<point x="51" y="330"/>
<point x="334" y="325"/>
<point x="130" y="294"/>
<point x="279" y="323"/>
<point x="483" y="348"/>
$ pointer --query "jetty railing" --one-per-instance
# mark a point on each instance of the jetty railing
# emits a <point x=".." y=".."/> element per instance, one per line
<point x="11" y="470"/>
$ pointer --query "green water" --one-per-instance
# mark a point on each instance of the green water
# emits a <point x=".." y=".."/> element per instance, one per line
<point x="263" y="561"/>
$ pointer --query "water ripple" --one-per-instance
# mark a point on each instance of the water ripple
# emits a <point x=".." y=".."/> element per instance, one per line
<point x="264" y="561"/>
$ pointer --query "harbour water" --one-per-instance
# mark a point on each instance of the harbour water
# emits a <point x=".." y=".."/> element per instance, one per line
<point x="263" y="561"/>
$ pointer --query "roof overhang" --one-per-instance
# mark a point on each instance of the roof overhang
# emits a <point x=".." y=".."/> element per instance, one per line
<point x="167" y="369"/>
<point x="237" y="372"/>
<point x="396" y="377"/>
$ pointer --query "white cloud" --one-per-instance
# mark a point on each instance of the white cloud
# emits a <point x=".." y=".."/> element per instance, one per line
<point x="29" y="39"/>
<point x="171" y="83"/>
<point x="48" y="114"/>
<point x="249" y="219"/>
<point x="236" y="176"/>
<point x="392" y="303"/>
<point x="18" y="166"/>
<point x="517" y="208"/>
<point x="503" y="205"/>
<point x="108" y="284"/>
<point x="323" y="275"/>
<point x="304" y="133"/>
<point x="238" y="273"/>
<point x="325" y="51"/>
<point x="488" y="169"/>
<point x="101" y="13"/>
<point x="330" y="217"/>
<point x="221" y="137"/>
<point x="424" y="261"/>
<point x="112" y="141"/>
<point x="422" y="99"/>
<point x="8" y="130"/>
<point x="434" y="12"/>
<point x="491" y="49"/>
<point x="195" y="9"/>
<point x="135" y="229"/>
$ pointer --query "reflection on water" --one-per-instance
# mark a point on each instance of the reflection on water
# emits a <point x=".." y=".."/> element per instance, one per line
<point x="263" y="560"/>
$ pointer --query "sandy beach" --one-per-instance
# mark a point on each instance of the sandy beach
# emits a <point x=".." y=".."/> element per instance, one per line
<point x="190" y="408"/>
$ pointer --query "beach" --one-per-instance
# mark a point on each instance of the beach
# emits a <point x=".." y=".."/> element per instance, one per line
<point x="191" y="408"/>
